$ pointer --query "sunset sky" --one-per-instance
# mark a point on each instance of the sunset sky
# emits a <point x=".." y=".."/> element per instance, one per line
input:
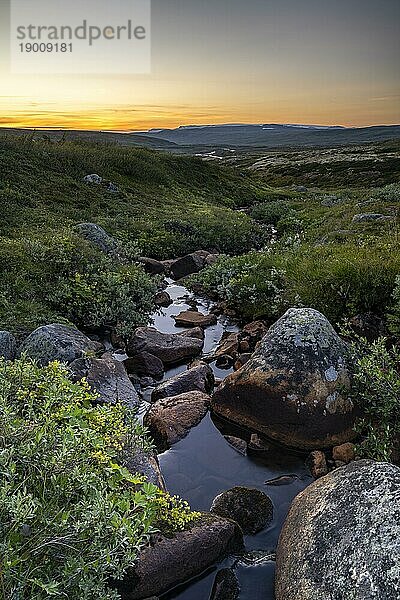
<point x="220" y="61"/>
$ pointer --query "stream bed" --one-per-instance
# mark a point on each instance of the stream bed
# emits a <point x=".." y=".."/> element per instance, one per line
<point x="204" y="464"/>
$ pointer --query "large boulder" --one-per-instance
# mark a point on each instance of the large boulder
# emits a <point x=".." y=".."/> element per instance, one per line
<point x="189" y="264"/>
<point x="108" y="378"/>
<point x="169" y="561"/>
<point x="170" y="420"/>
<point x="8" y="345"/>
<point x="151" y="265"/>
<point x="250" y="508"/>
<point x="97" y="236"/>
<point x="293" y="387"/>
<point x="59" y="342"/>
<point x="341" y="539"/>
<point x="145" y="364"/>
<point x="171" y="348"/>
<point x="200" y="378"/>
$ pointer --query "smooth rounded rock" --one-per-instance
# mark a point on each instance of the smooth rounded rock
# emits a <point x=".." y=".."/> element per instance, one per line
<point x="171" y="348"/>
<point x="200" y="378"/>
<point x="59" y="342"/>
<point x="293" y="388"/>
<point x="8" y="345"/>
<point x="250" y="508"/>
<point x="341" y="538"/>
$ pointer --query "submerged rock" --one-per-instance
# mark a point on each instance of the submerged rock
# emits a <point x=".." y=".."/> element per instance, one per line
<point x="171" y="348"/>
<point x="169" y="561"/>
<point x="200" y="378"/>
<point x="108" y="378"/>
<point x="226" y="586"/>
<point x="59" y="342"/>
<point x="170" y="419"/>
<point x="8" y="345"/>
<point x="341" y="539"/>
<point x="293" y="389"/>
<point x="250" y="508"/>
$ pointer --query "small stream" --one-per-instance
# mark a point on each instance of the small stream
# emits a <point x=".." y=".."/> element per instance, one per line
<point x="204" y="464"/>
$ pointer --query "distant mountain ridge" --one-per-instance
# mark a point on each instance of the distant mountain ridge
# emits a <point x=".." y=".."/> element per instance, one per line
<point x="271" y="134"/>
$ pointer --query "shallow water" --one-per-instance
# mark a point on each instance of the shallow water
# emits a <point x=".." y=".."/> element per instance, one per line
<point x="204" y="464"/>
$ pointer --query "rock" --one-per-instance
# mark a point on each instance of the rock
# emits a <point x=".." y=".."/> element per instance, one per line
<point x="258" y="444"/>
<point x="237" y="444"/>
<point x="200" y="378"/>
<point x="369" y="326"/>
<point x="344" y="453"/>
<point x="341" y="539"/>
<point x="57" y="342"/>
<point x="316" y="461"/>
<point x="365" y="217"/>
<point x="293" y="387"/>
<point x="196" y="332"/>
<point x="162" y="299"/>
<point x="108" y="378"/>
<point x="226" y="586"/>
<point x="152" y="266"/>
<point x="250" y="508"/>
<point x="170" y="419"/>
<point x="255" y="331"/>
<point x="169" y="347"/>
<point x="8" y="345"/>
<point x="111" y="187"/>
<point x="189" y="264"/>
<point x="96" y="179"/>
<point x="282" y="480"/>
<point x="224" y="361"/>
<point x="228" y="345"/>
<point x="211" y="259"/>
<point x="144" y="463"/>
<point x="169" y="561"/>
<point x="192" y="318"/>
<point x="241" y="361"/>
<point x="145" y="364"/>
<point x="330" y="201"/>
<point x="97" y="236"/>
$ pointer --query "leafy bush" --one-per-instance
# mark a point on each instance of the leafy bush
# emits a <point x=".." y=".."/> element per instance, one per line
<point x="58" y="276"/>
<point x="251" y="284"/>
<point x="389" y="193"/>
<point x="71" y="518"/>
<point x="376" y="390"/>
<point x="270" y="213"/>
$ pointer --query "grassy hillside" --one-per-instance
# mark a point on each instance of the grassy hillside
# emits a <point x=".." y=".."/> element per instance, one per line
<point x="165" y="206"/>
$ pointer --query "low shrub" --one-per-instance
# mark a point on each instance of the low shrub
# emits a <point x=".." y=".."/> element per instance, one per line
<point x="376" y="390"/>
<point x="71" y="518"/>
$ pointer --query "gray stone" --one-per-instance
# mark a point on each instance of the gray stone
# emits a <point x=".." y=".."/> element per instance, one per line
<point x="170" y="419"/>
<point x="8" y="345"/>
<point x="94" y="178"/>
<point x="169" y="561"/>
<point x="138" y="461"/>
<point x="293" y="387"/>
<point x="162" y="299"/>
<point x="97" y="236"/>
<point x="171" y="348"/>
<point x="108" y="378"/>
<point x="250" y="508"/>
<point x="341" y="539"/>
<point x="200" y="377"/>
<point x="59" y="342"/>
<point x="365" y="217"/>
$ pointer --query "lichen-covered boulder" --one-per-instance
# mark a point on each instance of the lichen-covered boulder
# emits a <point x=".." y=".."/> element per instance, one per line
<point x="293" y="389"/>
<point x="200" y="378"/>
<point x="170" y="419"/>
<point x="341" y="539"/>
<point x="169" y="561"/>
<point x="8" y="345"/>
<point x="108" y="378"/>
<point x="250" y="508"/>
<point x="171" y="348"/>
<point x="59" y="342"/>
<point x="96" y="235"/>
